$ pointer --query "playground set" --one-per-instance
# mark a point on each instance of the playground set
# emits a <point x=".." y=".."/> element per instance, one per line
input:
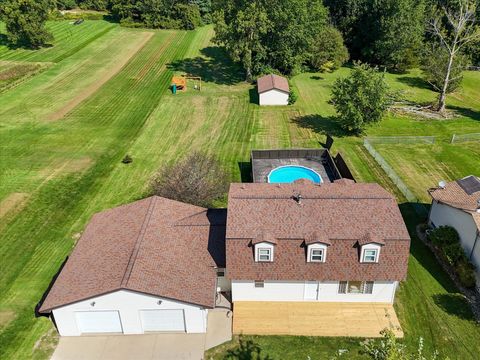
<point x="179" y="83"/>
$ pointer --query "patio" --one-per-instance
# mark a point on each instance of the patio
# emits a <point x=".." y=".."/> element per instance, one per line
<point x="314" y="318"/>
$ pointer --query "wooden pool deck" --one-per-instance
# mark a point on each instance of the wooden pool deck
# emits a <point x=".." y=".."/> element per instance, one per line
<point x="314" y="318"/>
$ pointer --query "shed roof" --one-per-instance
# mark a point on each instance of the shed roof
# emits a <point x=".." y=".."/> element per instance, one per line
<point x="272" y="81"/>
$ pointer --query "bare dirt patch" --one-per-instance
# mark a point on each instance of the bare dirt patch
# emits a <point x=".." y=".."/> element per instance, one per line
<point x="65" y="167"/>
<point x="112" y="71"/>
<point x="11" y="202"/>
<point x="6" y="317"/>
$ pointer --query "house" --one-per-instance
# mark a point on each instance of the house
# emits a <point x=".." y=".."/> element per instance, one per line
<point x="457" y="204"/>
<point x="158" y="264"/>
<point x="147" y="266"/>
<point x="273" y="90"/>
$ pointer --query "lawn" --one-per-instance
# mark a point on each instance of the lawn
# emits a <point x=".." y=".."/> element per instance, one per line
<point x="57" y="171"/>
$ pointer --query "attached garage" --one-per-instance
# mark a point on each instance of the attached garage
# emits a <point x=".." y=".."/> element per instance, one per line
<point x="163" y="320"/>
<point x="89" y="322"/>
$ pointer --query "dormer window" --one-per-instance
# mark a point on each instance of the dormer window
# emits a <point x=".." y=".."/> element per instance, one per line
<point x="316" y="255"/>
<point x="370" y="255"/>
<point x="264" y="254"/>
<point x="316" y="252"/>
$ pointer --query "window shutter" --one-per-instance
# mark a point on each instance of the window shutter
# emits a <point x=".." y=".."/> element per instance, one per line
<point x="342" y="287"/>
<point x="368" y="287"/>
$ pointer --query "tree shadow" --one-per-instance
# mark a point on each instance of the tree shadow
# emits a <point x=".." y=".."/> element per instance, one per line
<point x="454" y="304"/>
<point x="321" y="124"/>
<point x="253" y="94"/>
<point x="245" y="171"/>
<point x="247" y="350"/>
<point x="316" y="77"/>
<point x="213" y="66"/>
<point x="415" y="81"/>
<point x="466" y="112"/>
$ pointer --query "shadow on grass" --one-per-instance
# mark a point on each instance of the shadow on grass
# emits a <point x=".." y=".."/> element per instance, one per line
<point x="472" y="114"/>
<point x="415" y="81"/>
<point x="316" y="77"/>
<point x="321" y="124"/>
<point x="247" y="350"/>
<point x="11" y="46"/>
<point x="54" y="278"/>
<point x="253" y="94"/>
<point x="213" y="66"/>
<point x="454" y="304"/>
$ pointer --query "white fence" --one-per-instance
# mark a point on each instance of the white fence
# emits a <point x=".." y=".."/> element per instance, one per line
<point x="465" y="137"/>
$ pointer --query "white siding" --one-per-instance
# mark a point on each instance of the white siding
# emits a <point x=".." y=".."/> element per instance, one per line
<point x="383" y="291"/>
<point x="128" y="304"/>
<point x="441" y="214"/>
<point x="274" y="97"/>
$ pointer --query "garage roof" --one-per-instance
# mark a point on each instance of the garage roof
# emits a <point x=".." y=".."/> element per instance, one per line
<point x="155" y="246"/>
<point x="272" y="81"/>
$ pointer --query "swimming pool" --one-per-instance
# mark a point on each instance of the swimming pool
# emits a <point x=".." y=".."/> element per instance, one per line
<point x="291" y="173"/>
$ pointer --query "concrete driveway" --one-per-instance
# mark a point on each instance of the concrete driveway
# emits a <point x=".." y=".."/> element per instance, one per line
<point x="148" y="346"/>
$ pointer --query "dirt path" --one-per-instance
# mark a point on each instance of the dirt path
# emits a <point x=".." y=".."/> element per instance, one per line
<point x="112" y="71"/>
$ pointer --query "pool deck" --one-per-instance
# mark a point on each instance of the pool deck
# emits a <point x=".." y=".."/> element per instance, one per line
<point x="264" y="166"/>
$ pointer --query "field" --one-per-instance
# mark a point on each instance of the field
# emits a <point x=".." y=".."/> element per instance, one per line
<point x="105" y="94"/>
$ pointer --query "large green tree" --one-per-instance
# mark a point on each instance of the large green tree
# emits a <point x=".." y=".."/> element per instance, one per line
<point x="269" y="34"/>
<point x="361" y="98"/>
<point x="25" y="21"/>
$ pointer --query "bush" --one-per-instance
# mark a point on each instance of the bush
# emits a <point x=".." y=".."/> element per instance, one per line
<point x="66" y="4"/>
<point x="329" y="52"/>
<point x="466" y="274"/>
<point x="444" y="235"/>
<point x="197" y="179"/>
<point x="127" y="159"/>
<point x="360" y="98"/>
<point x="453" y="253"/>
<point x="293" y="96"/>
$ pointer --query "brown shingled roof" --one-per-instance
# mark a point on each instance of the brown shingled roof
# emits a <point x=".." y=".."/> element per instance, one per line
<point x="343" y="213"/>
<point x="272" y="81"/>
<point x="155" y="246"/>
<point x="453" y="194"/>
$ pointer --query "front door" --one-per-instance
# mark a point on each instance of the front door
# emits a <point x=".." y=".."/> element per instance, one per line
<point x="311" y="290"/>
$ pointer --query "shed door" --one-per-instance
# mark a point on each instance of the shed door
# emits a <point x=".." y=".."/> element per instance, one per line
<point x="311" y="290"/>
<point x="98" y="322"/>
<point x="163" y="320"/>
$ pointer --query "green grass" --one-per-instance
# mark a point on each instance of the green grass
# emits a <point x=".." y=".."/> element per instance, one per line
<point x="71" y="168"/>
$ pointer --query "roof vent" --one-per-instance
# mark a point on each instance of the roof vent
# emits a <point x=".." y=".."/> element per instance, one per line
<point x="297" y="198"/>
<point x="442" y="184"/>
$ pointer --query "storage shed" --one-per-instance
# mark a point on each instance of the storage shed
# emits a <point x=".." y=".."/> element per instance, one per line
<point x="273" y="90"/>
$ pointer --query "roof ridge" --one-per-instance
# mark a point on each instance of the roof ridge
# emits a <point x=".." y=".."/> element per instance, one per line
<point x="178" y="222"/>
<point x="138" y="242"/>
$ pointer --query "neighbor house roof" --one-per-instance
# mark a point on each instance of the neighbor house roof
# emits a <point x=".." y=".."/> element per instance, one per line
<point x="155" y="246"/>
<point x="455" y="195"/>
<point x="342" y="214"/>
<point x="272" y="81"/>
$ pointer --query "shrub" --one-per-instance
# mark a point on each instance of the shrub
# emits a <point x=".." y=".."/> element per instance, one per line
<point x="127" y="159"/>
<point x="360" y="98"/>
<point x="66" y="4"/>
<point x="443" y="235"/>
<point x="466" y="274"/>
<point x="453" y="253"/>
<point x="293" y="96"/>
<point x="198" y="179"/>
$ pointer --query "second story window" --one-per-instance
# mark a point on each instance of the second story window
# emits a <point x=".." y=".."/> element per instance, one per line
<point x="370" y="255"/>
<point x="316" y="255"/>
<point x="264" y="254"/>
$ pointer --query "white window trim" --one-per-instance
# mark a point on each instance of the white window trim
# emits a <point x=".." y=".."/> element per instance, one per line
<point x="363" y="286"/>
<point x="370" y="247"/>
<point x="316" y="246"/>
<point x="264" y="246"/>
<point x="268" y="254"/>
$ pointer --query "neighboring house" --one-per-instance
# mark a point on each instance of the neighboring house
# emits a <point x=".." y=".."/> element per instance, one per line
<point x="273" y="90"/>
<point x="157" y="264"/>
<point x="457" y="204"/>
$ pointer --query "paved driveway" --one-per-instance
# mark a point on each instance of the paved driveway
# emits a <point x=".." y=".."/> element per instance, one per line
<point x="149" y="346"/>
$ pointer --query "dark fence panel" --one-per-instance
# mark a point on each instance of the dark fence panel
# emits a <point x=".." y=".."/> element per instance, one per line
<point x="343" y="168"/>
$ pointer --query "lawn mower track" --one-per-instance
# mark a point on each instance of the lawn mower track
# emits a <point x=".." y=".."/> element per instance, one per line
<point x="90" y="90"/>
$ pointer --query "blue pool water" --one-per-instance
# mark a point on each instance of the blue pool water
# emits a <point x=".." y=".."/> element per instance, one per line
<point x="288" y="174"/>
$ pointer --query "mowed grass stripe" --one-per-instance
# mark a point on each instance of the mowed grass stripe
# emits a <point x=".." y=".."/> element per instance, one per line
<point x="68" y="39"/>
<point x="59" y="207"/>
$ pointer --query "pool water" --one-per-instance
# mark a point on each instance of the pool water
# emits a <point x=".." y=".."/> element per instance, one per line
<point x="291" y="173"/>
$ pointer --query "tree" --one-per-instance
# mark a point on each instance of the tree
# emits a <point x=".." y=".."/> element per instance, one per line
<point x="329" y="51"/>
<point x="360" y="98"/>
<point x="25" y="21"/>
<point x="197" y="179"/>
<point x="454" y="27"/>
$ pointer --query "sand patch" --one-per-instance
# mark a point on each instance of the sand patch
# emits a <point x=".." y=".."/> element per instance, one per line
<point x="112" y="71"/>
<point x="11" y="202"/>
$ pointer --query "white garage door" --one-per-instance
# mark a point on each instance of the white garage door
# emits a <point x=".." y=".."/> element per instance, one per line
<point x="99" y="322"/>
<point x="163" y="320"/>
